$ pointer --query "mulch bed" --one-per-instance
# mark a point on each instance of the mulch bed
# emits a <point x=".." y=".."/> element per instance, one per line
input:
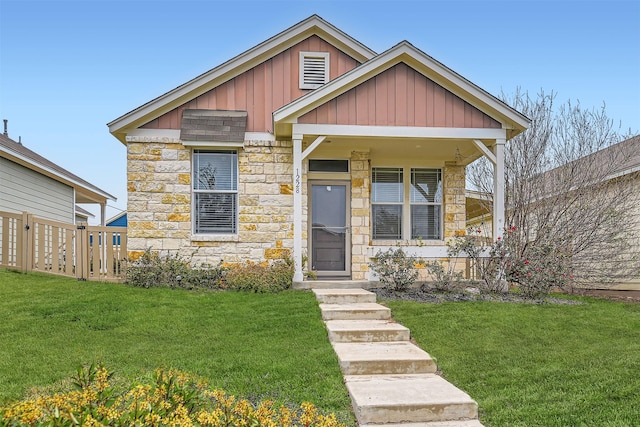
<point x="436" y="297"/>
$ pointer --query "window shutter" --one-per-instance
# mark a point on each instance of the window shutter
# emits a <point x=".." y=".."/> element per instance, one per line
<point x="314" y="69"/>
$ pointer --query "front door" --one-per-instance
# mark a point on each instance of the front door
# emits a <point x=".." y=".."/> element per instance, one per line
<point x="330" y="242"/>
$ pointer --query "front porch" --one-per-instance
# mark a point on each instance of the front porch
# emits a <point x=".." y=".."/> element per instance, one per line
<point x="408" y="126"/>
<point x="427" y="206"/>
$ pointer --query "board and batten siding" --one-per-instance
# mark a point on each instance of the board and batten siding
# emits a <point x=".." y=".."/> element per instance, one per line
<point x="399" y="96"/>
<point x="262" y="89"/>
<point x="22" y="189"/>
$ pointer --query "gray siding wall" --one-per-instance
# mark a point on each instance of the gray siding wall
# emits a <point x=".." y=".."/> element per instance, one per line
<point x="22" y="189"/>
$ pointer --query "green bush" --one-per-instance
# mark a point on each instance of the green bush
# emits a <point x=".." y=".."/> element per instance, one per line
<point x="260" y="277"/>
<point x="395" y="268"/>
<point x="153" y="269"/>
<point x="174" y="398"/>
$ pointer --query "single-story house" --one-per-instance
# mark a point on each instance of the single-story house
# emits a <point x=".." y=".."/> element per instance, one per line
<point x="312" y="146"/>
<point x="34" y="184"/>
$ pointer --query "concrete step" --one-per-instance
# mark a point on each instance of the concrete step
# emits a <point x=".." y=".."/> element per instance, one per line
<point x="357" y="311"/>
<point x="467" y="423"/>
<point x="400" y="357"/>
<point x="332" y="284"/>
<point x="366" y="331"/>
<point x="344" y="296"/>
<point x="408" y="399"/>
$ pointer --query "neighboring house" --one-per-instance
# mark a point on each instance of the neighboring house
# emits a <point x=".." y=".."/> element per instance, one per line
<point x="31" y="183"/>
<point x="610" y="174"/>
<point x="83" y="215"/>
<point x="119" y="220"/>
<point x="311" y="145"/>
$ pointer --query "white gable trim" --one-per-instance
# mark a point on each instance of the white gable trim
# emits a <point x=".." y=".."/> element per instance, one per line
<point x="404" y="52"/>
<point x="238" y="65"/>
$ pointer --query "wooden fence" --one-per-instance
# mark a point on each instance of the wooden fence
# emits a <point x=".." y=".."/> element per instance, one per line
<point x="28" y="243"/>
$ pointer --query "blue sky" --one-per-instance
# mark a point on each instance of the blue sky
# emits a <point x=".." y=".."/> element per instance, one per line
<point x="69" y="67"/>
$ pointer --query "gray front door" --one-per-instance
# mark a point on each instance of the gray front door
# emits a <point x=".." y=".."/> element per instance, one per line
<point x="330" y="243"/>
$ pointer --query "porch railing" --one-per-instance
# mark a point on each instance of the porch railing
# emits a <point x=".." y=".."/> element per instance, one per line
<point x="29" y="243"/>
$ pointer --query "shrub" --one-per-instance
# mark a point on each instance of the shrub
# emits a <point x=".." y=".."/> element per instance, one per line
<point x="155" y="270"/>
<point x="535" y="267"/>
<point x="489" y="259"/>
<point x="443" y="278"/>
<point x="174" y="398"/>
<point x="543" y="268"/>
<point x="260" y="277"/>
<point x="395" y="268"/>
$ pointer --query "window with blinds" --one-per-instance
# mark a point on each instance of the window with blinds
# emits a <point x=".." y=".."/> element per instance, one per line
<point x="424" y="213"/>
<point x="314" y="69"/>
<point x="215" y="192"/>
<point x="387" y="197"/>
<point x="426" y="203"/>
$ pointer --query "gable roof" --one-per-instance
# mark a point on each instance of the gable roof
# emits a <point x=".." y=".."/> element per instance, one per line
<point x="314" y="25"/>
<point x="18" y="153"/>
<point x="117" y="219"/>
<point x="80" y="211"/>
<point x="615" y="161"/>
<point x="514" y="121"/>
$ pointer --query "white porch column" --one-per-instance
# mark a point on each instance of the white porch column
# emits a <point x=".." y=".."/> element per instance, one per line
<point x="297" y="207"/>
<point x="103" y="212"/>
<point x="498" y="189"/>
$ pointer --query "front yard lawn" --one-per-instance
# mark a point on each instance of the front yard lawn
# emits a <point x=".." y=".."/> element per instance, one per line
<point x="256" y="346"/>
<point x="536" y="365"/>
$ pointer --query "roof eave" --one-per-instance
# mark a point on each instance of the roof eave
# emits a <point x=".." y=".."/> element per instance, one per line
<point x="94" y="193"/>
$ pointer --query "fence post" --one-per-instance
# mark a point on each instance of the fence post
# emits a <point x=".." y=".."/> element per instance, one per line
<point x="27" y="252"/>
<point x="82" y="252"/>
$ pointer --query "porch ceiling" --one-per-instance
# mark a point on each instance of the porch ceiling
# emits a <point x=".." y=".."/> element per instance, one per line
<point x="462" y="151"/>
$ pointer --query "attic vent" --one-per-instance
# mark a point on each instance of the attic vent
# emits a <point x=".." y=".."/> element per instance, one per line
<point x="314" y="69"/>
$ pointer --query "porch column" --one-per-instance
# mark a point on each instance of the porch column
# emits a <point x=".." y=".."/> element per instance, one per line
<point x="498" y="188"/>
<point x="103" y="212"/>
<point x="297" y="207"/>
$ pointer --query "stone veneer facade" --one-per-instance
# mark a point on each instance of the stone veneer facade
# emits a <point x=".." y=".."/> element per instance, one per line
<point x="360" y="214"/>
<point x="455" y="219"/>
<point x="159" y="204"/>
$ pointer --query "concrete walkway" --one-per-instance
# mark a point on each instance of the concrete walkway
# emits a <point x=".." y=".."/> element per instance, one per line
<point x="391" y="381"/>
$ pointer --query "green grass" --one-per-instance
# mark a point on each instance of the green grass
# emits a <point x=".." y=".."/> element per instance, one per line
<point x="251" y="345"/>
<point x="536" y="365"/>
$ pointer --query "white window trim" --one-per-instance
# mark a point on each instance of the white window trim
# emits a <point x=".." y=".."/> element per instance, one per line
<point x="406" y="205"/>
<point x="402" y="204"/>
<point x="215" y="236"/>
<point x="316" y="55"/>
<point x="407" y="231"/>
